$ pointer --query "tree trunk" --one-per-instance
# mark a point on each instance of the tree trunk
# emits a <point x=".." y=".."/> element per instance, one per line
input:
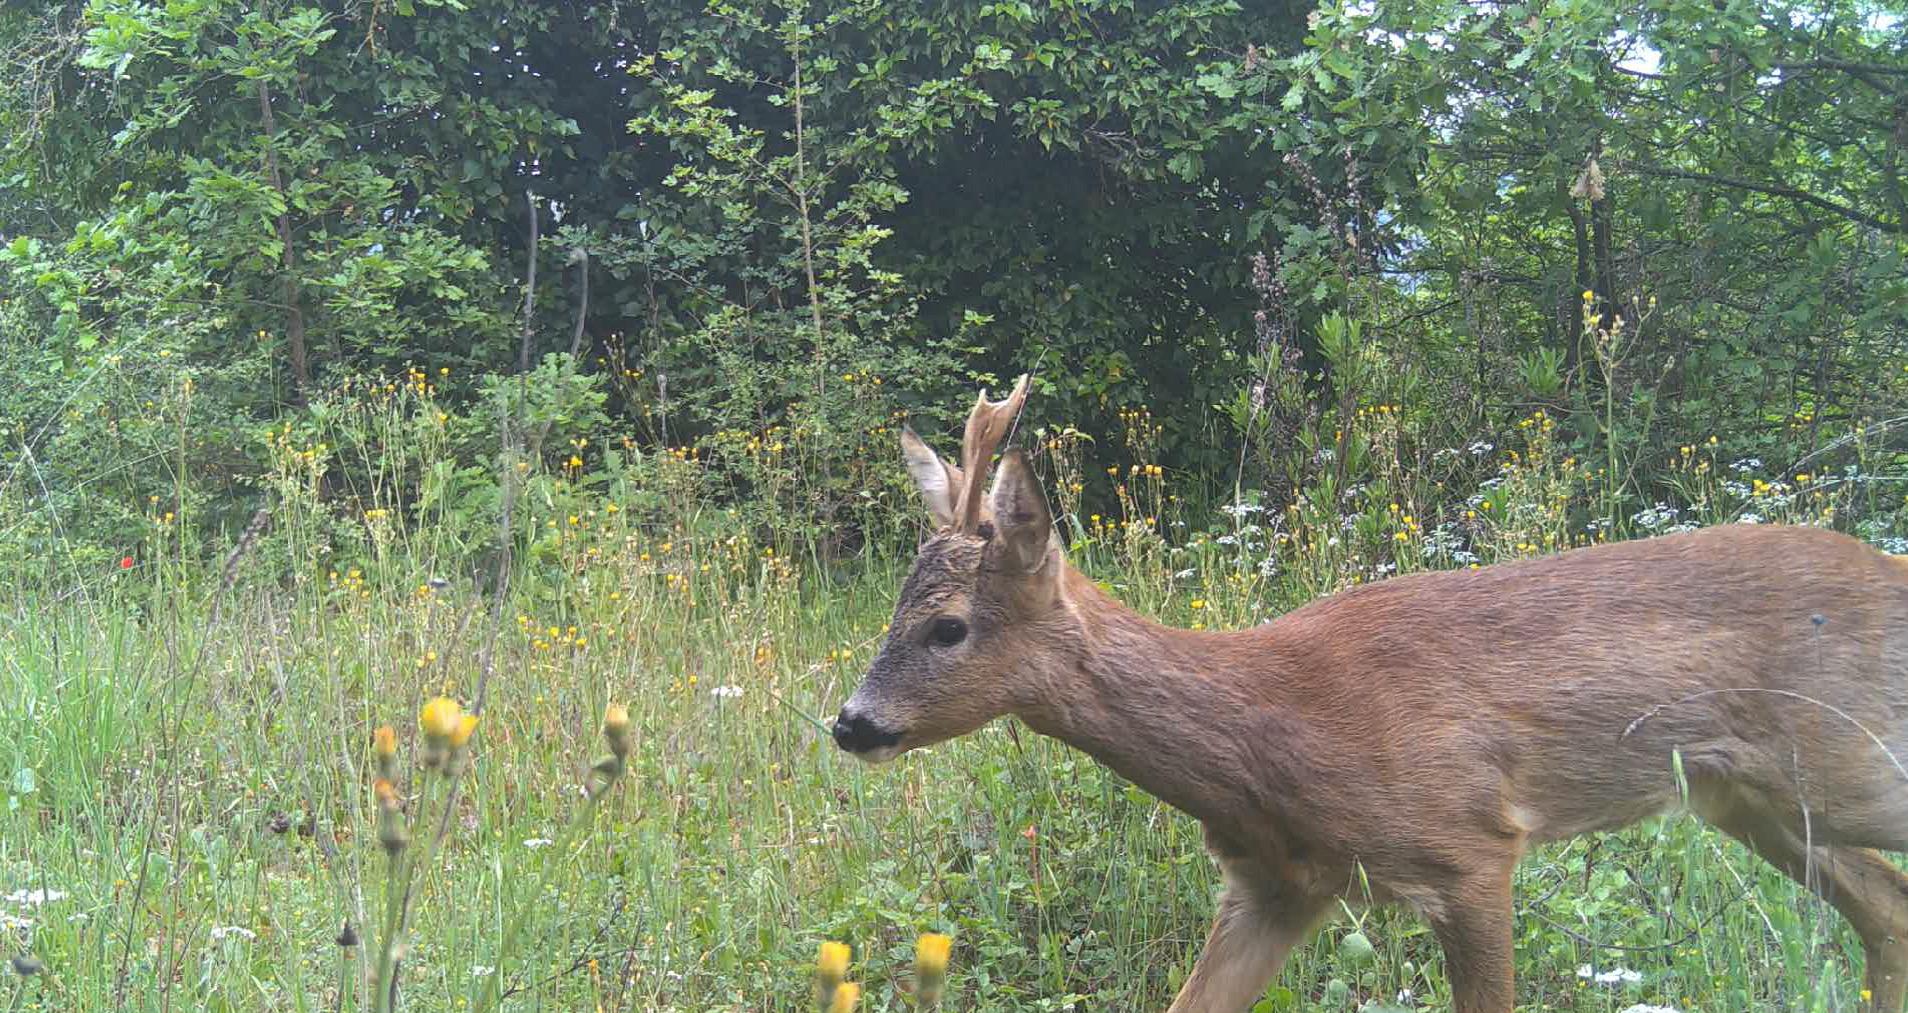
<point x="288" y="257"/>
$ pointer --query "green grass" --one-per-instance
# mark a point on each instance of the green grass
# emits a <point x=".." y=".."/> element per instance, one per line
<point x="188" y="769"/>
<point x="199" y="796"/>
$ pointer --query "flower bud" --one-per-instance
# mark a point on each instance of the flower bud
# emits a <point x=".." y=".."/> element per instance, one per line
<point x="616" y="729"/>
<point x="384" y="748"/>
<point x="391" y="832"/>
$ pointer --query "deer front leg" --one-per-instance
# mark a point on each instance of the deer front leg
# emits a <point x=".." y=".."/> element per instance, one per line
<point x="1255" y="929"/>
<point x="1474" y="928"/>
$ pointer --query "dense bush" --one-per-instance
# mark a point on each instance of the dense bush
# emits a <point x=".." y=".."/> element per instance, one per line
<point x="781" y="224"/>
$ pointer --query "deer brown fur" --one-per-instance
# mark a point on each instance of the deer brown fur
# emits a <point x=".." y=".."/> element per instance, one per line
<point x="1428" y="730"/>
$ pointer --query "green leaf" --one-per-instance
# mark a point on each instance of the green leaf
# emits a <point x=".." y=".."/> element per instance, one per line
<point x="1221" y="84"/>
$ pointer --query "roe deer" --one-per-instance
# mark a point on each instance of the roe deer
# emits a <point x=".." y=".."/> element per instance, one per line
<point x="1429" y="729"/>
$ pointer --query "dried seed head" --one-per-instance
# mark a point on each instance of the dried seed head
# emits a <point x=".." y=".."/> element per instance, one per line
<point x="347" y="936"/>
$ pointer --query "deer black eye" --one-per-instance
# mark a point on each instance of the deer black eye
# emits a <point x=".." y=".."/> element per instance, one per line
<point x="947" y="631"/>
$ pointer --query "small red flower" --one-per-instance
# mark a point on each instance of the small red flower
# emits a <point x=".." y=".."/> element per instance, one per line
<point x="126" y="562"/>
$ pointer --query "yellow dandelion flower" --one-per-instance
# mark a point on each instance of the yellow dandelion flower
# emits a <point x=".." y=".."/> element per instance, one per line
<point x="847" y="997"/>
<point x="930" y="965"/>
<point x="440" y="718"/>
<point x="831" y="968"/>
<point x="466" y="726"/>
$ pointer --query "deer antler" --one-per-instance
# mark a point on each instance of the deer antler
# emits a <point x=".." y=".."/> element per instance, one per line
<point x="987" y="425"/>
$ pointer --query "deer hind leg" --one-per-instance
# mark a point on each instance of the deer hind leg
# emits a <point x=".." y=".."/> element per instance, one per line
<point x="1861" y="883"/>
<point x="1255" y="930"/>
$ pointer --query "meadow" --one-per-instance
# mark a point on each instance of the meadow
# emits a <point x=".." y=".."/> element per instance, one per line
<point x="190" y="752"/>
<point x="448" y="467"/>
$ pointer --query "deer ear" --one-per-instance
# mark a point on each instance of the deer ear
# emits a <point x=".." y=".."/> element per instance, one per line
<point x="1021" y="520"/>
<point x="936" y="478"/>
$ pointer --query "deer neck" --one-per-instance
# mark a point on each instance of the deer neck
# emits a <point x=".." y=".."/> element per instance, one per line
<point x="1180" y="713"/>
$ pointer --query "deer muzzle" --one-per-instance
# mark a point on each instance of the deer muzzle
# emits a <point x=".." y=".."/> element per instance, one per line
<point x="862" y="735"/>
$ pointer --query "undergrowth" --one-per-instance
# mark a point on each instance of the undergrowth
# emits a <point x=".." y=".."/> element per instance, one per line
<point x="199" y="815"/>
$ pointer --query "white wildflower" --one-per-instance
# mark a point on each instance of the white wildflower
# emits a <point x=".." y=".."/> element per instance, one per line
<point x="32" y="898"/>
<point x="220" y="932"/>
<point x="1614" y="976"/>
<point x="538" y="842"/>
<point x="1656" y="516"/>
<point x="726" y="692"/>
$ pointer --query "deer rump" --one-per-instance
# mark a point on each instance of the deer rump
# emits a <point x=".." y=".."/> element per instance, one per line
<point x="1415" y="737"/>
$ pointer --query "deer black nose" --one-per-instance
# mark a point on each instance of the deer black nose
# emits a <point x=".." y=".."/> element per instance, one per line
<point x="856" y="733"/>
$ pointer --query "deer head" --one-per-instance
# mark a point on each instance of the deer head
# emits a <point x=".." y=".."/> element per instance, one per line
<point x="972" y="610"/>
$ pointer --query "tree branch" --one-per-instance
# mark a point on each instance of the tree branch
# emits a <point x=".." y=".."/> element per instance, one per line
<point x="1787" y="193"/>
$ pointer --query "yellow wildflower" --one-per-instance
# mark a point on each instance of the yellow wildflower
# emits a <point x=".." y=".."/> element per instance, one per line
<point x="847" y="997"/>
<point x="616" y="729"/>
<point x="466" y="725"/>
<point x="930" y="965"/>
<point x="440" y="719"/>
<point x="831" y="968"/>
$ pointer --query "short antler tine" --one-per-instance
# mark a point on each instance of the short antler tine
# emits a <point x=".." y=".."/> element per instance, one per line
<point x="987" y="426"/>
